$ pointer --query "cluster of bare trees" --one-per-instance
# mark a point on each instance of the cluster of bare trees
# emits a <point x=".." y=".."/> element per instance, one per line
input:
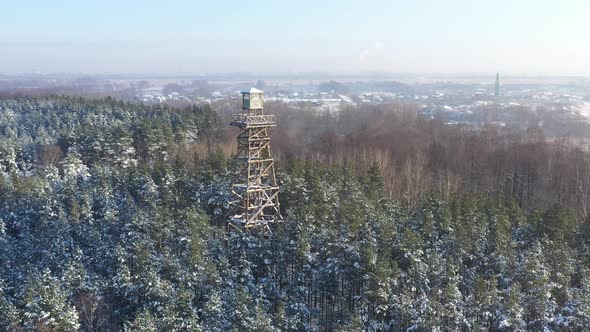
<point x="420" y="156"/>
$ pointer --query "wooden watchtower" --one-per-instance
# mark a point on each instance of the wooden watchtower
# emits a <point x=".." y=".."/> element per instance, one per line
<point x="255" y="200"/>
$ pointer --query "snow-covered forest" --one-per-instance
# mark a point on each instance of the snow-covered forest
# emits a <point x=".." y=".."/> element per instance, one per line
<point x="110" y="220"/>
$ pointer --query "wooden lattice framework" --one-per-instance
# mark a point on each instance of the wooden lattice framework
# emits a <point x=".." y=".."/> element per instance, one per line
<point x="255" y="192"/>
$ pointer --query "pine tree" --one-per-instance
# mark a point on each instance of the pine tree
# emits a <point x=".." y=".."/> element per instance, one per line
<point x="534" y="277"/>
<point x="557" y="223"/>
<point x="451" y="299"/>
<point x="213" y="314"/>
<point x="9" y="319"/>
<point x="144" y="322"/>
<point x="73" y="166"/>
<point x="513" y="314"/>
<point x="582" y="312"/>
<point x="356" y="324"/>
<point x="47" y="306"/>
<point x="375" y="183"/>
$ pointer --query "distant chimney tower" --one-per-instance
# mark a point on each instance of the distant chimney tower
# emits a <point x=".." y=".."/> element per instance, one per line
<point x="255" y="193"/>
<point x="497" y="88"/>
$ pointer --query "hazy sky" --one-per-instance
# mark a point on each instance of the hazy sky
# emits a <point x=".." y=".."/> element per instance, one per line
<point x="199" y="37"/>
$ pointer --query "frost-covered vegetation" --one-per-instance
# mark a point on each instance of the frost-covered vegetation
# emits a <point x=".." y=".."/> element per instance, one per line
<point x="111" y="220"/>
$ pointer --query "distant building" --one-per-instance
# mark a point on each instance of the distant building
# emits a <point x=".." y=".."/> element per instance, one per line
<point x="497" y="88"/>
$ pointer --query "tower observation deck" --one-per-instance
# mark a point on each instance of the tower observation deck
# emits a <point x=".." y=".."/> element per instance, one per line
<point x="254" y="197"/>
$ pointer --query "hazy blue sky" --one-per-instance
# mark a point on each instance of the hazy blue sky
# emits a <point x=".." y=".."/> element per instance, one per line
<point x="194" y="37"/>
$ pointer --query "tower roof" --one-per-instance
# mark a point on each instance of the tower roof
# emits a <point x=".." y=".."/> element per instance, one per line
<point x="253" y="91"/>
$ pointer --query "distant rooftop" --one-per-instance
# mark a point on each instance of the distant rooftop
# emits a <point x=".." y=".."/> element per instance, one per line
<point x="253" y="91"/>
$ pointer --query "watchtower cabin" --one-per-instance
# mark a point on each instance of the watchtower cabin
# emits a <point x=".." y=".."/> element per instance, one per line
<point x="255" y="200"/>
<point x="252" y="99"/>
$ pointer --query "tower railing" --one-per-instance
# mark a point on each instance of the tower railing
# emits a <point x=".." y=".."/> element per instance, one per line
<point x="246" y="120"/>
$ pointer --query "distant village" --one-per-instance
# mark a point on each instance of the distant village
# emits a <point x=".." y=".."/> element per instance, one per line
<point x="455" y="103"/>
<point x="474" y="100"/>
